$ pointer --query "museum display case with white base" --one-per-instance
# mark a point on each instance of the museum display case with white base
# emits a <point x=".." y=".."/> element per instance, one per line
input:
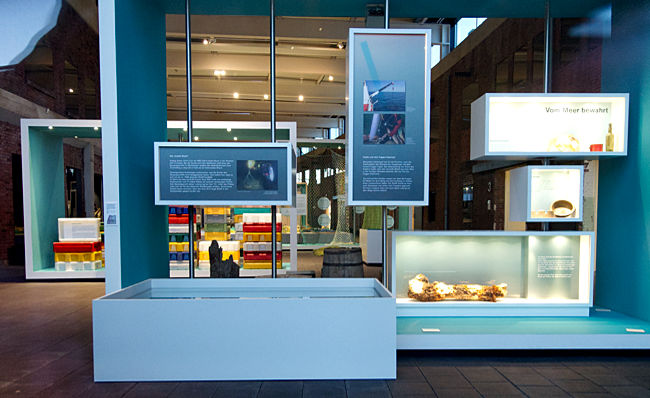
<point x="245" y="329"/>
<point x="491" y="273"/>
<point x="546" y="194"/>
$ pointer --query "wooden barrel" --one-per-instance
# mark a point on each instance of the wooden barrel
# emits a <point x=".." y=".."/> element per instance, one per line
<point x="342" y="262"/>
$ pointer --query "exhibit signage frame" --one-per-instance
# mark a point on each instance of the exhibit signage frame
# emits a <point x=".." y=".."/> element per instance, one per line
<point x="287" y="194"/>
<point x="410" y="100"/>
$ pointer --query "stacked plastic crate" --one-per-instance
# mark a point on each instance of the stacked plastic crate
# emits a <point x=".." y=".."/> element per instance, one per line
<point x="79" y="247"/>
<point x="179" y="246"/>
<point x="257" y="240"/>
<point x="216" y="226"/>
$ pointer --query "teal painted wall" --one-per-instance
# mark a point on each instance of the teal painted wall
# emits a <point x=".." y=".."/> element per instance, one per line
<point x="47" y="186"/>
<point x="397" y="9"/>
<point x="142" y="120"/>
<point x="623" y="254"/>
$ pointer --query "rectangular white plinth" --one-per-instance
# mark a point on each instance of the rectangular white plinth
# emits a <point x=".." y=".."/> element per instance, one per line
<point x="245" y="329"/>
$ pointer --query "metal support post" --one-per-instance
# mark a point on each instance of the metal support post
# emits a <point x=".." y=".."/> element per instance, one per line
<point x="384" y="257"/>
<point x="274" y="268"/>
<point x="188" y="77"/>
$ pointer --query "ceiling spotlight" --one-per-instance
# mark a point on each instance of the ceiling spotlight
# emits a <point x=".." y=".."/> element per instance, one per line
<point x="235" y="95"/>
<point x="196" y="138"/>
<point x="346" y="98"/>
<point x="229" y="129"/>
<point x="266" y="96"/>
<point x="235" y="138"/>
<point x="339" y="147"/>
<point x="205" y="42"/>
<point x="71" y="90"/>
<point x="184" y="128"/>
<point x="218" y="72"/>
<point x="95" y="128"/>
<point x="76" y="136"/>
<point x="330" y="77"/>
<point x="301" y="97"/>
<point x="50" y="127"/>
<point x="340" y="45"/>
<point x="320" y="28"/>
<point x="292" y="47"/>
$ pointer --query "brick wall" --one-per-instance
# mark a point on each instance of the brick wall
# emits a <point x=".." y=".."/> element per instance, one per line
<point x="515" y="47"/>
<point x="75" y="61"/>
<point x="10" y="138"/>
<point x="74" y="46"/>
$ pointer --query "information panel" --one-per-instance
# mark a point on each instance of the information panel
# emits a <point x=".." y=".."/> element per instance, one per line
<point x="388" y="117"/>
<point x="223" y="174"/>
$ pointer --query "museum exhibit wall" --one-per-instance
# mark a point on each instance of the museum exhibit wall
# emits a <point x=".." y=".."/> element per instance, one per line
<point x="133" y="88"/>
<point x="623" y="249"/>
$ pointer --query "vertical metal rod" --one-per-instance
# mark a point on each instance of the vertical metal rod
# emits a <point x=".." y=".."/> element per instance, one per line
<point x="386" y="15"/>
<point x="548" y="43"/>
<point x="384" y="212"/>
<point x="274" y="263"/>
<point x="384" y="257"/>
<point x="188" y="77"/>
<point x="548" y="67"/>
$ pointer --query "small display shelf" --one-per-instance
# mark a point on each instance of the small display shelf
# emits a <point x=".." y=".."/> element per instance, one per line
<point x="491" y="273"/>
<point x="546" y="193"/>
<point x="524" y="125"/>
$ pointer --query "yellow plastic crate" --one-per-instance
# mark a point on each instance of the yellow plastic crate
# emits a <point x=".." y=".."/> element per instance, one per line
<point x="239" y="218"/>
<point x="78" y="257"/>
<point x="261" y="237"/>
<point x="259" y="264"/>
<point x="180" y="246"/>
<point x="216" y="236"/>
<point x="205" y="256"/>
<point x="216" y="210"/>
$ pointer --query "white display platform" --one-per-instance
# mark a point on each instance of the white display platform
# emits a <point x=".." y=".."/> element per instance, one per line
<point x="534" y="189"/>
<point x="245" y="329"/>
<point x="525" y="125"/>
<point x="547" y="273"/>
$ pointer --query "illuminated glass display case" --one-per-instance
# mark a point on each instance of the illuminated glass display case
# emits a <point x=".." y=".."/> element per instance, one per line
<point x="492" y="273"/>
<point x="546" y="194"/>
<point x="524" y="125"/>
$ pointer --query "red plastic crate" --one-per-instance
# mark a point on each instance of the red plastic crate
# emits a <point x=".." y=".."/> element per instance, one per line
<point x="76" y="247"/>
<point x="261" y="256"/>
<point x="262" y="227"/>
<point x="180" y="219"/>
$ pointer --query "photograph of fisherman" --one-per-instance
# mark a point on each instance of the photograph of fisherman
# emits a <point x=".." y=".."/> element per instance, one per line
<point x="384" y="96"/>
<point x="384" y="128"/>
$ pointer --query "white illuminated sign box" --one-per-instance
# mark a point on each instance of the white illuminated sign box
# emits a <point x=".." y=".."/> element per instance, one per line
<point x="576" y="126"/>
<point x="546" y="194"/>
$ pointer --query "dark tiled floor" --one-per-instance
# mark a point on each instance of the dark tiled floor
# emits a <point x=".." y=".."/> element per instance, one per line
<point x="46" y="351"/>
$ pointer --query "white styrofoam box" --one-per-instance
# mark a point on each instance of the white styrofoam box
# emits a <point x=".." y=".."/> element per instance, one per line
<point x="69" y="265"/>
<point x="92" y="265"/>
<point x="204" y="245"/>
<point x="260" y="247"/>
<point x="237" y="236"/>
<point x="178" y="228"/>
<point x="204" y="264"/>
<point x="79" y="230"/>
<point x="239" y="227"/>
<point x="226" y="245"/>
<point x="334" y="310"/>
<point x="260" y="218"/>
<point x="251" y="246"/>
